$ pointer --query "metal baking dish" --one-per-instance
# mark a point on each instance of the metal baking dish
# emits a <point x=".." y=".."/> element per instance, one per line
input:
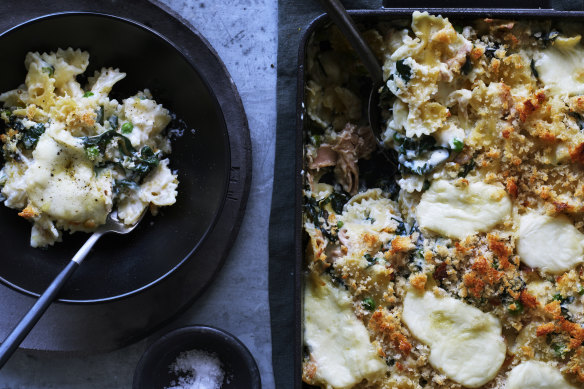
<point x="365" y="18"/>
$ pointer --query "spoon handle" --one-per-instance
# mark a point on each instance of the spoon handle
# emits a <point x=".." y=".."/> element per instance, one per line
<point x="343" y="21"/>
<point x="26" y="324"/>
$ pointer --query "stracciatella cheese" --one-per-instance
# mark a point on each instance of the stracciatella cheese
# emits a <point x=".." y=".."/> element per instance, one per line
<point x="551" y="244"/>
<point x="536" y="375"/>
<point x="73" y="154"/>
<point x="460" y="210"/>
<point x="338" y="341"/>
<point x="561" y="68"/>
<point x="465" y="343"/>
<point x="62" y="184"/>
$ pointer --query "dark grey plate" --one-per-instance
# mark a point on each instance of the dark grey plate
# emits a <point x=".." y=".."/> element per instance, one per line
<point x="123" y="265"/>
<point x="132" y="285"/>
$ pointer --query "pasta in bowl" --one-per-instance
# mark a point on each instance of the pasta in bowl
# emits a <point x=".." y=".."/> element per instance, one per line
<point x="73" y="154"/>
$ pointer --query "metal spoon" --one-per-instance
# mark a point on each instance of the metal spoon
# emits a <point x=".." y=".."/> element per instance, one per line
<point x="343" y="21"/>
<point x="13" y="340"/>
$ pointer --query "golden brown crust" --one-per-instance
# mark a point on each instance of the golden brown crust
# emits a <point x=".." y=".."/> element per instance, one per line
<point x="528" y="142"/>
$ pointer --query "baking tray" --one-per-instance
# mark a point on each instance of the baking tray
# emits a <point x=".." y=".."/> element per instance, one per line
<point x="98" y="327"/>
<point x="368" y="18"/>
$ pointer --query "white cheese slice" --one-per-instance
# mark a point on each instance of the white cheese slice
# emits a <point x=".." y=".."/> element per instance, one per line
<point x="465" y="344"/>
<point x="562" y="69"/>
<point x="552" y="244"/>
<point x="338" y="341"/>
<point x="62" y="184"/>
<point x="536" y="375"/>
<point x="456" y="211"/>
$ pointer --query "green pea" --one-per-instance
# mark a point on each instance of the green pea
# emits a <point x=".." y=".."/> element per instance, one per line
<point x="458" y="145"/>
<point x="368" y="304"/>
<point x="127" y="128"/>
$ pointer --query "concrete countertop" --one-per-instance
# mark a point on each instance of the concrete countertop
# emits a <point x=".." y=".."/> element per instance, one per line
<point x="244" y="33"/>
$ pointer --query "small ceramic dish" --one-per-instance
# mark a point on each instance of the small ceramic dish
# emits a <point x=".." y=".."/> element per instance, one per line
<point x="239" y="367"/>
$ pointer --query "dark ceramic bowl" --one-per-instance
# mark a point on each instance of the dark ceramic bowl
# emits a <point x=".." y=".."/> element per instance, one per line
<point x="239" y="366"/>
<point x="120" y="266"/>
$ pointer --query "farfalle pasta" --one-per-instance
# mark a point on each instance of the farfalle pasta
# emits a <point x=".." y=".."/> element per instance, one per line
<point x="72" y="154"/>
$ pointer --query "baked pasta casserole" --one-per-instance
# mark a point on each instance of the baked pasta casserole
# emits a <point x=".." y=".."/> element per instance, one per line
<point x="457" y="262"/>
<point x="72" y="154"/>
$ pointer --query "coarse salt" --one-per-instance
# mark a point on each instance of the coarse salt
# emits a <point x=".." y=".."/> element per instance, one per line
<point x="197" y="369"/>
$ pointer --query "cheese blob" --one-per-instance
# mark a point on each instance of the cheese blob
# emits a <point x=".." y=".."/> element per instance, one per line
<point x="367" y="213"/>
<point x="465" y="344"/>
<point x="561" y="69"/>
<point x="338" y="342"/>
<point x="536" y="375"/>
<point x="551" y="244"/>
<point x="458" y="211"/>
<point x="62" y="184"/>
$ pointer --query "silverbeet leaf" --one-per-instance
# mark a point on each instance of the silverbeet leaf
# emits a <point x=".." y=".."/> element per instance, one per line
<point x="113" y="121"/>
<point x="145" y="162"/>
<point x="99" y="115"/>
<point x="121" y="186"/>
<point x="467" y="168"/>
<point x="103" y="139"/>
<point x="467" y="66"/>
<point x="579" y="119"/>
<point x="533" y="69"/>
<point x="31" y="135"/>
<point x="404" y="70"/>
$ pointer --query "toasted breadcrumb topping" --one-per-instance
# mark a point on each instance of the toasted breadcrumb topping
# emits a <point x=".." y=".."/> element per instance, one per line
<point x="464" y="103"/>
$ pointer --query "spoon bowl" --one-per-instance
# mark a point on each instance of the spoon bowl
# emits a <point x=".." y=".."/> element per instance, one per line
<point x="343" y="21"/>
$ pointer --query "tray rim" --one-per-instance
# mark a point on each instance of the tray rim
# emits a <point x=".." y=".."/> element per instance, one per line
<point x="361" y="15"/>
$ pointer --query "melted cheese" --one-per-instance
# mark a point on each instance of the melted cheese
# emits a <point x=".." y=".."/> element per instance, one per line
<point x="562" y="69"/>
<point x="465" y="344"/>
<point x="367" y="213"/>
<point x="338" y="341"/>
<point x="148" y="118"/>
<point x="460" y="211"/>
<point x="541" y="290"/>
<point x="62" y="184"/>
<point x="536" y="375"/>
<point x="552" y="244"/>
